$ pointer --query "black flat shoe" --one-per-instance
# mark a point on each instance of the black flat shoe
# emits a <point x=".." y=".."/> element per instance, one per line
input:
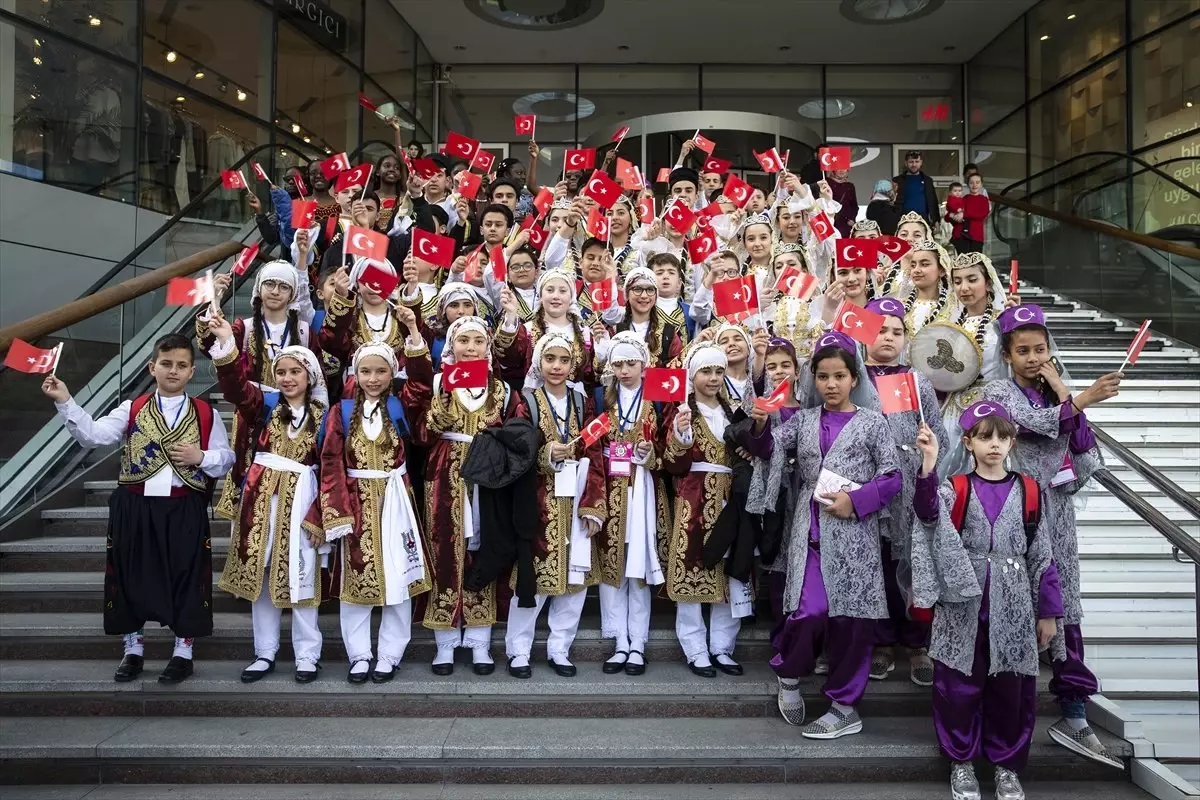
<point x="442" y="670"/>
<point x="177" y="670"/>
<point x="564" y="670"/>
<point x="252" y="675"/>
<point x="129" y="668"/>
<point x="484" y="668"/>
<point x="382" y="677"/>
<point x="729" y="669"/>
<point x="703" y="672"/>
<point x="520" y="672"/>
<point x="307" y="676"/>
<point x="636" y="669"/>
<point x="358" y="677"/>
<point x="613" y="667"/>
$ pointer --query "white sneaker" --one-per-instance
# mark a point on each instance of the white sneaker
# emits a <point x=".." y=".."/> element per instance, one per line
<point x="1008" y="785"/>
<point x="963" y="783"/>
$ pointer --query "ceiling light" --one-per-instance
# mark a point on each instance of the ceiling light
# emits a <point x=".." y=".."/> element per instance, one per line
<point x="537" y="15"/>
<point x="180" y="98"/>
<point x="171" y="56"/>
<point x="887" y="12"/>
<point x="94" y="21"/>
<point x="295" y="127"/>
<point x="1188" y="103"/>
<point x="241" y="95"/>
<point x="827" y="108"/>
<point x="954" y="138"/>
<point x="1070" y="16"/>
<point x="33" y="97"/>
<point x="1045" y="36"/>
<point x="199" y="75"/>
<point x="37" y="60"/>
<point x="564" y="106"/>
<point x="307" y="139"/>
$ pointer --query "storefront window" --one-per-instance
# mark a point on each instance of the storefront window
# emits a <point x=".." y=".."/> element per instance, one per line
<point x="1001" y="154"/>
<point x="997" y="78"/>
<point x="770" y="89"/>
<point x="381" y="136"/>
<point x="628" y="91"/>
<point x="110" y="25"/>
<point x="225" y="56"/>
<point x="334" y="25"/>
<point x="425" y="87"/>
<point x="1085" y="115"/>
<point x="73" y="116"/>
<point x="316" y="94"/>
<point x="486" y="98"/>
<point x="391" y="51"/>
<point x="920" y="105"/>
<point x="1065" y="36"/>
<point x="1166" y="83"/>
<point x="1150" y="15"/>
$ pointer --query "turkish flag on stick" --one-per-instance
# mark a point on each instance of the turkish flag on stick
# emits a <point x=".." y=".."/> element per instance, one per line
<point x="524" y="124"/>
<point x="702" y="246"/>
<point x="898" y="393"/>
<point x="1135" y="347"/>
<point x="303" y="212"/>
<point x="592" y="432"/>
<point x="736" y="296"/>
<point x="1012" y="278"/>
<point x="737" y="191"/>
<point x="466" y="375"/>
<point x="769" y="160"/>
<point x="260" y="173"/>
<point x="646" y="210"/>
<point x="468" y="184"/>
<point x="858" y="253"/>
<point x="366" y="243"/>
<point x="603" y="189"/>
<point x="597" y="224"/>
<point x="822" y="226"/>
<point x="331" y="166"/>
<point x="190" y="291"/>
<point x="663" y="385"/>
<point x="794" y="283"/>
<point x="834" y="158"/>
<point x="359" y="176"/>
<point x="432" y="247"/>
<point x="583" y="158"/>
<point x="664" y="175"/>
<point x="498" y="264"/>
<point x="543" y="201"/>
<point x="245" y="259"/>
<point x="893" y="247"/>
<point x="704" y="143"/>
<point x="620" y="135"/>
<point x="366" y="103"/>
<point x="858" y="323"/>
<point x="380" y="281"/>
<point x="233" y="179"/>
<point x="680" y="217"/>
<point x="603" y="294"/>
<point x="459" y="146"/>
<point x="776" y="400"/>
<point x="24" y="357"/>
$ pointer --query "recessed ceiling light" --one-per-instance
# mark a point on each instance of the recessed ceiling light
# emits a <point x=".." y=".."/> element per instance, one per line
<point x="241" y="95"/>
<point x="887" y="12"/>
<point x="954" y="138"/>
<point x="171" y="56"/>
<point x="295" y="127"/>
<point x="537" y="15"/>
<point x="94" y="21"/>
<point x="1188" y="103"/>
<point x="37" y="60"/>
<point x="828" y="108"/>
<point x="558" y="104"/>
<point x="180" y="98"/>
<point x="1045" y="36"/>
<point x="1070" y="16"/>
<point x="307" y="139"/>
<point x="199" y="75"/>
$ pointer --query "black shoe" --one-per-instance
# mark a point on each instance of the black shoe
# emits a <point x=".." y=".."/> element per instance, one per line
<point x="382" y="677"/>
<point x="703" y="672"/>
<point x="636" y="669"/>
<point x="129" y="668"/>
<point x="252" y="675"/>
<point x="442" y="670"/>
<point x="563" y="670"/>
<point x="484" y="668"/>
<point x="178" y="668"/>
<point x="613" y="667"/>
<point x="519" y="672"/>
<point x="307" y="676"/>
<point x="358" y="677"/>
<point x="729" y="669"/>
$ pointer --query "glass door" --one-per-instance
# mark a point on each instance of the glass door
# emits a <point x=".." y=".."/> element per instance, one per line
<point x="943" y="163"/>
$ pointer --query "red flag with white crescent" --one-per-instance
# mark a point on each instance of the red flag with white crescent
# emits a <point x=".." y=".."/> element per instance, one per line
<point x="857" y="253"/>
<point x="459" y="146"/>
<point x="777" y="399"/>
<point x="432" y="247"/>
<point x="1139" y="341"/>
<point x="190" y="291"/>
<point x="331" y="166"/>
<point x="603" y="189"/>
<point x="24" y="357"/>
<point x="822" y="225"/>
<point x="858" y="323"/>
<point x="245" y="259"/>
<point x="664" y="385"/>
<point x="380" y="281"/>
<point x="704" y="143"/>
<point x="366" y="243"/>
<point x="893" y="247"/>
<point x="524" y="124"/>
<point x="466" y="375"/>
<point x="897" y="393"/>
<point x="595" y="429"/>
<point x="233" y="179"/>
<point x="582" y="158"/>
<point x="736" y="296"/>
<point x="737" y="190"/>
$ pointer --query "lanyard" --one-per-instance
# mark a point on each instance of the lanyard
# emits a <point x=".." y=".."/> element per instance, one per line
<point x="283" y="340"/>
<point x="626" y="419"/>
<point x="178" y="413"/>
<point x="734" y="393"/>
<point x="562" y="425"/>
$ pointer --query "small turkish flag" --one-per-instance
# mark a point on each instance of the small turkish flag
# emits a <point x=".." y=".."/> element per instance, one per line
<point x="259" y="172"/>
<point x="301" y="186"/>
<point x="620" y="135"/>
<point x="646" y="210"/>
<point x="704" y="143"/>
<point x="603" y="189"/>
<point x="664" y="385"/>
<point x="366" y="103"/>
<point x="680" y="217"/>
<point x="466" y="375"/>
<point x="24" y="357"/>
<point x="858" y="323"/>
<point x="893" y="247"/>
<point x="348" y="179"/>
<point x="702" y="246"/>
<point x="858" y="254"/>
<point x="1139" y="341"/>
<point x="717" y="165"/>
<point x="498" y="264"/>
<point x="594" y="430"/>
<point x="484" y="160"/>
<point x="626" y="172"/>
<point x="736" y="296"/>
<point x="245" y="259"/>
<point x="776" y="400"/>
<point x="597" y="224"/>
<point x="795" y="283"/>
<point x="471" y="271"/>
<point x="468" y="184"/>
<point x="331" y="166"/>
<point x="822" y="226"/>
<point x="603" y="294"/>
<point x="537" y="234"/>
<point x="1012" y="277"/>
<point x="460" y="146"/>
<point x="233" y="179"/>
<point x="380" y="281"/>
<point x="834" y="158"/>
<point x="705" y="216"/>
<point x="432" y="247"/>
<point x="770" y="160"/>
<point x="543" y="201"/>
<point x="524" y="124"/>
<point x="366" y="243"/>
<point x="897" y="393"/>
<point x="737" y="191"/>
<point x="190" y="291"/>
<point x="425" y="168"/>
<point x="583" y="158"/>
<point x="303" y="212"/>
<point x="664" y="175"/>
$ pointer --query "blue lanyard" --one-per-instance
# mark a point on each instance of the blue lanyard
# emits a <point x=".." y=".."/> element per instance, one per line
<point x="178" y="413"/>
<point x="734" y="393"/>
<point x="562" y="425"/>
<point x="627" y="419"/>
<point x="282" y="340"/>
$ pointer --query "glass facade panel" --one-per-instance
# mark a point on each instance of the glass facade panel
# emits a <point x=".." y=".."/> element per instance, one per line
<point x="1065" y="36"/>
<point x="1166" y="83"/>
<point x="778" y="90"/>
<point x="1001" y="154"/>
<point x="618" y="93"/>
<point x="110" y="25"/>
<point x="483" y="99"/>
<point x="316" y="93"/>
<point x="996" y="78"/>
<point x="390" y="59"/>
<point x="1150" y="15"/>
<point x="425" y="87"/>
<point x="334" y="25"/>
<point x="921" y="105"/>
<point x="1085" y="115"/>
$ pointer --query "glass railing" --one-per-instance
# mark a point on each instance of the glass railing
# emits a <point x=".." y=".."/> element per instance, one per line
<point x="1131" y="276"/>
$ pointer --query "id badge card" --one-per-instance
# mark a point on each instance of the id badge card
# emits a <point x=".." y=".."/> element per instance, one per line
<point x="565" y="479"/>
<point x="1065" y="474"/>
<point x="620" y="459"/>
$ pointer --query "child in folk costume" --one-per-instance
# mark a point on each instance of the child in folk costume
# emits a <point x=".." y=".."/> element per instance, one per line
<point x="571" y="501"/>
<point x="669" y="276"/>
<point x="793" y="319"/>
<point x="459" y="617"/>
<point x="850" y="284"/>
<point x="626" y="551"/>
<point x="696" y="454"/>
<point x="981" y="559"/>
<point x="847" y="473"/>
<point x="373" y="320"/>
<point x="641" y="315"/>
<point x="1057" y="448"/>
<point x="557" y="312"/>
<point x="883" y="358"/>
<point x="914" y="229"/>
<point x="273" y="560"/>
<point x="367" y="506"/>
<point x="740" y="371"/>
<point x="929" y="298"/>
<point x="158" y="562"/>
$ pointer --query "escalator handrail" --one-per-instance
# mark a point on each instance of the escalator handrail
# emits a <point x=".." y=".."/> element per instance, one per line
<point x="1094" y="226"/>
<point x="1093" y="189"/>
<point x="1115" y="155"/>
<point x="1177" y="536"/>
<point x="1132" y="460"/>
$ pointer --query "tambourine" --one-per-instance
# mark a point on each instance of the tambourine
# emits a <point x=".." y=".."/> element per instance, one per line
<point x="947" y="355"/>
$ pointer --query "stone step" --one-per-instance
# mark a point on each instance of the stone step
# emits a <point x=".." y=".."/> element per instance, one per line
<point x="1170" y="724"/>
<point x="499" y="750"/>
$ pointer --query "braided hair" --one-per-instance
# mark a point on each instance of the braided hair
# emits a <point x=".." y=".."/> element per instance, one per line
<point x="259" y="328"/>
<point x="989" y="313"/>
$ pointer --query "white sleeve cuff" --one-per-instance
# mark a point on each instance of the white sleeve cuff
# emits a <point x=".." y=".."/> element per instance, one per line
<point x="220" y="349"/>
<point x="332" y="535"/>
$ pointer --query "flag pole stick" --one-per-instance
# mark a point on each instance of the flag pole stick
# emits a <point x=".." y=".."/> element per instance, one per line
<point x="57" y="355"/>
<point x="917" y="399"/>
<point x="1144" y="326"/>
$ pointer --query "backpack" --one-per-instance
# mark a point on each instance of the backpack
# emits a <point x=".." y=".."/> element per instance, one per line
<point x="395" y="413"/>
<point x="1030" y="503"/>
<point x="204" y="416"/>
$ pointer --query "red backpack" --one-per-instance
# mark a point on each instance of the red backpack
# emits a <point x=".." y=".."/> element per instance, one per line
<point x="1030" y="502"/>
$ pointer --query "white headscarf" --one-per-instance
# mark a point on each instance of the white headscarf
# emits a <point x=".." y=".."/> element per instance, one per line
<point x="465" y="324"/>
<point x="998" y="289"/>
<point x="552" y="275"/>
<point x="626" y="346"/>
<point x="281" y="271"/>
<point x="640" y="275"/>
<point x="376" y="349"/>
<point x="456" y="290"/>
<point x="704" y="354"/>
<point x="535" y="378"/>
<point x="316" y="376"/>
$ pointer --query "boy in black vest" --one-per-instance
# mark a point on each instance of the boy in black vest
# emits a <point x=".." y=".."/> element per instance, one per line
<point x="158" y="555"/>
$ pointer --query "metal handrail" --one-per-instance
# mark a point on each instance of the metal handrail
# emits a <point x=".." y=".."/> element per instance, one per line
<point x="1160" y="481"/>
<point x="1093" y="189"/>
<point x="1177" y="536"/>
<point x="1115" y="155"/>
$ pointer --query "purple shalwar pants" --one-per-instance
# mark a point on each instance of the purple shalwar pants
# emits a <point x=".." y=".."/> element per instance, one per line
<point x="984" y="715"/>
<point x="897" y="628"/>
<point x="1073" y="682"/>
<point x="846" y="641"/>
